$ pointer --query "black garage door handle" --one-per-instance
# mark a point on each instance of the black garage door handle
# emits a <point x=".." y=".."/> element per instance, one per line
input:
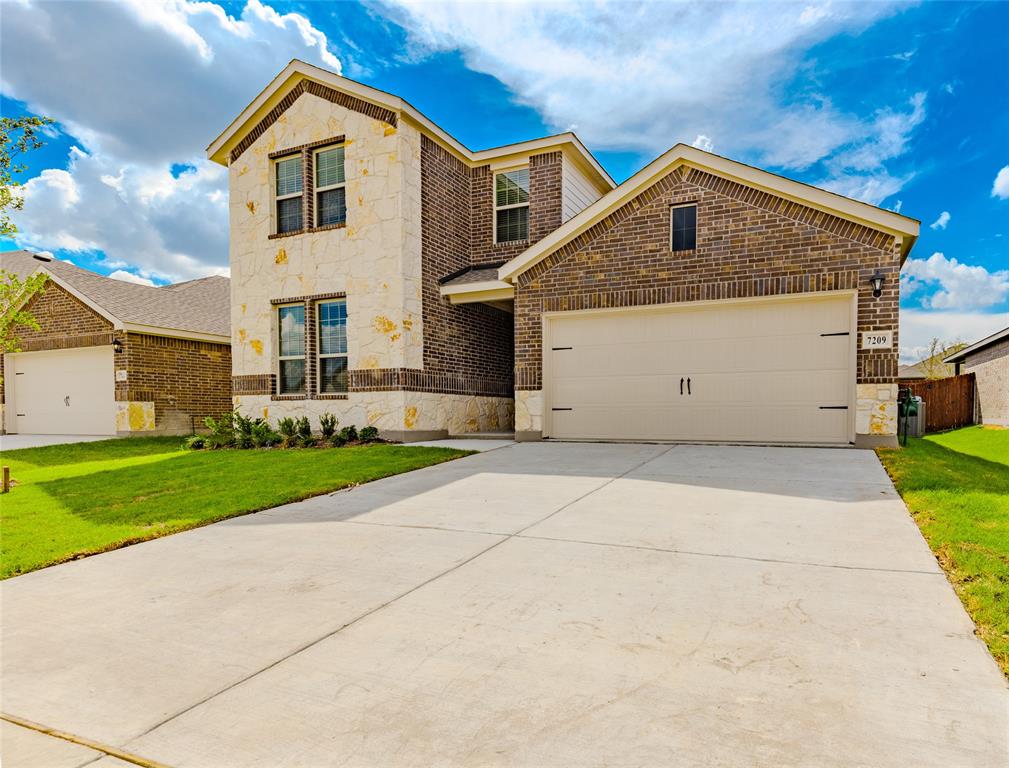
<point x="688" y="385"/>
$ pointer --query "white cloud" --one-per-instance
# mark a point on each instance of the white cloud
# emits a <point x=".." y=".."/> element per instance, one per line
<point x="129" y="277"/>
<point x="650" y="88"/>
<point x="1000" y="188"/>
<point x="142" y="85"/>
<point x="919" y="327"/>
<point x="954" y="286"/>
<point x="897" y="206"/>
<point x="703" y="142"/>
<point x="941" y="222"/>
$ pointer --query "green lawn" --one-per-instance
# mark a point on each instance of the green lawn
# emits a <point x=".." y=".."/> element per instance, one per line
<point x="80" y="499"/>
<point x="956" y="485"/>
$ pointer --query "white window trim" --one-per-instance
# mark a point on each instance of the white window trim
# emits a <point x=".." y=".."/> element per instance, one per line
<point x="291" y="195"/>
<point x="303" y="356"/>
<point x="319" y="356"/>
<point x="671" y="209"/>
<point x="317" y="190"/>
<point x="497" y="207"/>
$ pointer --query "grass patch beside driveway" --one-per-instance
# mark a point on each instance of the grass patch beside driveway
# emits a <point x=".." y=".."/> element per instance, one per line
<point x="956" y="485"/>
<point x="85" y="498"/>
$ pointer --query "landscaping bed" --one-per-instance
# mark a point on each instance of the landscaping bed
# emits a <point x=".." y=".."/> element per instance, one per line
<point x="956" y="485"/>
<point x="84" y="498"/>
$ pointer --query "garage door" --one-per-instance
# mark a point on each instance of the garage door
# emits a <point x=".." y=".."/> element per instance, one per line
<point x="64" y="392"/>
<point x="767" y="370"/>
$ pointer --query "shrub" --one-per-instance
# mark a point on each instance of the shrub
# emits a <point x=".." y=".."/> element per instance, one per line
<point x="327" y="425"/>
<point x="196" y="442"/>
<point x="286" y="426"/>
<point x="349" y="434"/>
<point x="303" y="428"/>
<point x="337" y="441"/>
<point x="222" y="431"/>
<point x="369" y="434"/>
<point x="262" y="435"/>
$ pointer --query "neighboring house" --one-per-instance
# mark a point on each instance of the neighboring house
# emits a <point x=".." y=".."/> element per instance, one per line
<point x="988" y="360"/>
<point x="914" y="371"/>
<point x="384" y="272"/>
<point x="113" y="357"/>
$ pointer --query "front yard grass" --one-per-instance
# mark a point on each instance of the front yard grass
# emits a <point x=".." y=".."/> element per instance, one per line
<point x="85" y="498"/>
<point x="956" y="485"/>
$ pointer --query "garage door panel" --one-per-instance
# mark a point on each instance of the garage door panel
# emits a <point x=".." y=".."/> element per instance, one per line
<point x="768" y="370"/>
<point x="67" y="391"/>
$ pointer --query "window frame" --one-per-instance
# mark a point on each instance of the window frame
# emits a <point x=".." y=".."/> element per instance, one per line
<point x="317" y="190"/>
<point x="320" y="355"/>
<point x="511" y="206"/>
<point x="277" y="198"/>
<point x="283" y="358"/>
<point x="672" y="227"/>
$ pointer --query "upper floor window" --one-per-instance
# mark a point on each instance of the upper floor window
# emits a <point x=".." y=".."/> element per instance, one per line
<point x="332" y="319"/>
<point x="289" y="189"/>
<point x="684" y="227"/>
<point x="330" y="189"/>
<point x="511" y="206"/>
<point x="291" y="335"/>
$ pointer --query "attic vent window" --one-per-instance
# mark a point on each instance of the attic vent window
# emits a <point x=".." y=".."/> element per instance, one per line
<point x="289" y="189"/>
<point x="511" y="206"/>
<point x="684" y="227"/>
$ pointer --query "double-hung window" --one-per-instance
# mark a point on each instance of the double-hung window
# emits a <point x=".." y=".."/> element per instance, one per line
<point x="332" y="319"/>
<point x="291" y="334"/>
<point x="511" y="206"/>
<point x="330" y="189"/>
<point x="684" y="227"/>
<point x="288" y="195"/>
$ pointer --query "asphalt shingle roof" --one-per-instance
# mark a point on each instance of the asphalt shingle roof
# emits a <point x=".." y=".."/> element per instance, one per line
<point x="198" y="306"/>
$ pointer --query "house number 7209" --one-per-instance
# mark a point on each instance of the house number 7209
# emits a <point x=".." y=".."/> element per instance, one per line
<point x="877" y="340"/>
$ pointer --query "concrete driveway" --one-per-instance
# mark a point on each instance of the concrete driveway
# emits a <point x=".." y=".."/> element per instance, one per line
<point x="536" y="605"/>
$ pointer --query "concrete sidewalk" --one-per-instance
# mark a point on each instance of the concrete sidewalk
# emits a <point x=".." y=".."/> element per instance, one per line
<point x="535" y="605"/>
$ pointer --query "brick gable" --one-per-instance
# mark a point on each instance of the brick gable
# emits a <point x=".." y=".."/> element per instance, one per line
<point x="749" y="244"/>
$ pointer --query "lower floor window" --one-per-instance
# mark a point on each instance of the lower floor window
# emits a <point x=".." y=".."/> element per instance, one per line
<point x="291" y="334"/>
<point x="332" y="320"/>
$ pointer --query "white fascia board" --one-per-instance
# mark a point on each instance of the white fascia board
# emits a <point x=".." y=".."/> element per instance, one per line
<point x="902" y="227"/>
<point x="483" y="291"/>
<point x="977" y="345"/>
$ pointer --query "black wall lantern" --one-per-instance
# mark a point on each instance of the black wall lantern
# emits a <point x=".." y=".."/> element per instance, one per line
<point x="117" y="346"/>
<point x="876" y="281"/>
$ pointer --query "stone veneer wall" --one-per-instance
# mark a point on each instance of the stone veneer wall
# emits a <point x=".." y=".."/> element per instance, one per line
<point x="749" y="244"/>
<point x="177" y="381"/>
<point x="990" y="367"/>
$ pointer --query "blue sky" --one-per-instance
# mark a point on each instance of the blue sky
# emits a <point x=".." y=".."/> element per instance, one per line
<point x="902" y="105"/>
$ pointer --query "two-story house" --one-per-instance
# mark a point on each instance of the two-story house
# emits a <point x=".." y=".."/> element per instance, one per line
<point x="386" y="273"/>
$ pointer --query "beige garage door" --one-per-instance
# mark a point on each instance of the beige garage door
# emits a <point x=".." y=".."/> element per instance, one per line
<point x="63" y="392"/>
<point x="767" y="370"/>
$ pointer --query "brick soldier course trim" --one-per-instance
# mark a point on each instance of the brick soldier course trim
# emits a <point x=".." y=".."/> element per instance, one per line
<point x="323" y="92"/>
<point x="253" y="384"/>
<point x="415" y="380"/>
<point x="749" y="244"/>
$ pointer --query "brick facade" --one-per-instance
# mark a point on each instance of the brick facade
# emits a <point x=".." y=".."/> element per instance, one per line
<point x="749" y="244"/>
<point x="461" y="341"/>
<point x="185" y="379"/>
<point x="990" y="367"/>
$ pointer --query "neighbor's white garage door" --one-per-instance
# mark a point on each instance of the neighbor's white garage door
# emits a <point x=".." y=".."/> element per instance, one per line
<point x="769" y="370"/>
<point x="61" y="392"/>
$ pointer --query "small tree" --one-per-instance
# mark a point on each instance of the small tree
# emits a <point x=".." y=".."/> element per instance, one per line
<point x="18" y="136"/>
<point x="933" y="366"/>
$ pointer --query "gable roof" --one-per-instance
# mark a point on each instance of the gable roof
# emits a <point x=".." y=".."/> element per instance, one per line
<point x="199" y="309"/>
<point x="298" y="71"/>
<point x="977" y="346"/>
<point x="902" y="227"/>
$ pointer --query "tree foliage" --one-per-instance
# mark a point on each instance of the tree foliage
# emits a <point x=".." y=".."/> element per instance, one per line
<point x="18" y="136"/>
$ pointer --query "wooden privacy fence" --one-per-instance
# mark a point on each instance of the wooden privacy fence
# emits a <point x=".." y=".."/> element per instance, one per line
<point x="949" y="402"/>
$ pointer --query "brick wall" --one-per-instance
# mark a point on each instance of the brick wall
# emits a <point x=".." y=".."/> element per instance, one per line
<point x="185" y="379"/>
<point x="749" y="244"/>
<point x="468" y="341"/>
<point x="990" y="367"/>
<point x="544" y="208"/>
